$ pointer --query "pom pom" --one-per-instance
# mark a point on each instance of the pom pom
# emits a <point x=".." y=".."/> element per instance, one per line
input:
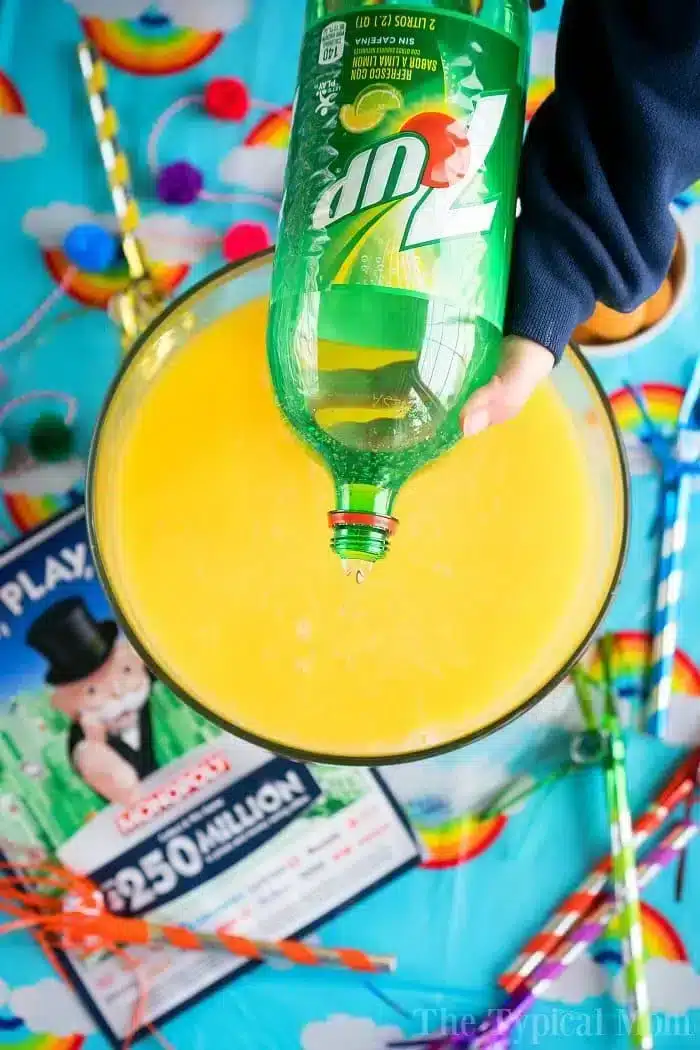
<point x="91" y="248"/>
<point x="179" y="183"/>
<point x="244" y="239"/>
<point x="50" y="439"/>
<point x="227" y="98"/>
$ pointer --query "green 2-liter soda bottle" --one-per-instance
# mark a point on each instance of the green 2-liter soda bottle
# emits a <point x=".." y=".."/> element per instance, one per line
<point x="391" y="269"/>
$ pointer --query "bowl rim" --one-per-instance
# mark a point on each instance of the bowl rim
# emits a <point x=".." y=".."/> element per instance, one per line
<point x="300" y="754"/>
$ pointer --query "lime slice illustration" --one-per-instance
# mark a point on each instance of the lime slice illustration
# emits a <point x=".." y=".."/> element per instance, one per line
<point x="357" y="124"/>
<point x="380" y="98"/>
<point x="370" y="108"/>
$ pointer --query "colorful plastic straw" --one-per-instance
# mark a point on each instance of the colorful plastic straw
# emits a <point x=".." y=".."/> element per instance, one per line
<point x="495" y="1029"/>
<point x="679" y="788"/>
<point x="624" y="865"/>
<point x="677" y="472"/>
<point x="136" y="307"/>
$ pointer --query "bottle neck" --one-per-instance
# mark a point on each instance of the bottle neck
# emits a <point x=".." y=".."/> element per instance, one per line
<point x="362" y="522"/>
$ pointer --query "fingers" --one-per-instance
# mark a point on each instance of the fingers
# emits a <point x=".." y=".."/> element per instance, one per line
<point x="523" y="366"/>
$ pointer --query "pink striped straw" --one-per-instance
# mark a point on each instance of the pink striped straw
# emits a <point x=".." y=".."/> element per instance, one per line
<point x="573" y="909"/>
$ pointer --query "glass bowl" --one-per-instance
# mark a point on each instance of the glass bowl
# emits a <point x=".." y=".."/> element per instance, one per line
<point x="227" y="541"/>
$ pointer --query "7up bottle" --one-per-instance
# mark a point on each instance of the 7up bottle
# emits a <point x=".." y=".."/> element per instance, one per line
<point x="391" y="269"/>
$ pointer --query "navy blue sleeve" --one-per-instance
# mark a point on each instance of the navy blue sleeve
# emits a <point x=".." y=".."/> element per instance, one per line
<point x="604" y="156"/>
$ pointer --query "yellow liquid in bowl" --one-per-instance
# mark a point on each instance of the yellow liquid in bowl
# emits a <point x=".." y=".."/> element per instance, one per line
<point x="211" y="521"/>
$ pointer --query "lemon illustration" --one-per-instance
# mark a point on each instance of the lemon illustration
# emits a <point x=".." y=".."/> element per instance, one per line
<point x="369" y="108"/>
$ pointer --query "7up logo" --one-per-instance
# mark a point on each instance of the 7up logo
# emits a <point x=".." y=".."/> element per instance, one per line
<point x="403" y="165"/>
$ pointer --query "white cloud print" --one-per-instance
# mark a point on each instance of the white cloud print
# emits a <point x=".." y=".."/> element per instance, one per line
<point x="461" y="787"/>
<point x="165" y="237"/>
<point x="542" y="54"/>
<point x="50" y="1006"/>
<point x="259" y="168"/>
<point x="19" y="137"/>
<point x="683" y="721"/>
<point x="690" y="220"/>
<point x="674" y="987"/>
<point x="50" y="225"/>
<point x="109" y="9"/>
<point x="343" y="1032"/>
<point x="560" y="710"/>
<point x="584" y="979"/>
<point x="174" y="239"/>
<point x="204" y="15"/>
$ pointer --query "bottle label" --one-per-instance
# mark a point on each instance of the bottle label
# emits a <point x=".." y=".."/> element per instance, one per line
<point x="403" y="162"/>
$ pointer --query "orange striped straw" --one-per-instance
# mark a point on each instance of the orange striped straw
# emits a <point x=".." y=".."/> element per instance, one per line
<point x="68" y="909"/>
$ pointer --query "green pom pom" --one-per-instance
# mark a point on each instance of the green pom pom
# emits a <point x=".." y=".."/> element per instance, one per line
<point x="50" y="440"/>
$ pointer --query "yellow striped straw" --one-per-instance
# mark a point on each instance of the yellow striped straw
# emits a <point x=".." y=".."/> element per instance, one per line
<point x="136" y="307"/>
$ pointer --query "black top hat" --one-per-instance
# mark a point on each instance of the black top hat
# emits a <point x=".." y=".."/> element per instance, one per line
<point x="74" y="644"/>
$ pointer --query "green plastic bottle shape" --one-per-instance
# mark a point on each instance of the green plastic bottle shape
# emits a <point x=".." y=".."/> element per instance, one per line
<point x="391" y="270"/>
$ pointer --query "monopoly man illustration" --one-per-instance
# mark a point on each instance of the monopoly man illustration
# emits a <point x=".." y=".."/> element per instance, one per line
<point x="104" y="687"/>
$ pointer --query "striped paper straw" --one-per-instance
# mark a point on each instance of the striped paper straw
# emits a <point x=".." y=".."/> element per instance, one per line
<point x="624" y="865"/>
<point x="680" y="786"/>
<point x="676" y="507"/>
<point x="496" y="1028"/>
<point x="136" y="306"/>
<point x="114" y="930"/>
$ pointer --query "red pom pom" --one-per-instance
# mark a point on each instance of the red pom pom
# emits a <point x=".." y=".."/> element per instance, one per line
<point x="227" y="98"/>
<point x="244" y="239"/>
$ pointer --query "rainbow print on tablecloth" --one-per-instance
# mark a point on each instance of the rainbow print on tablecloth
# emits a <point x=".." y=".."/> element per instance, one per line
<point x="20" y="1039"/>
<point x="538" y="90"/>
<point x="456" y="840"/>
<point x="11" y="104"/>
<point x="663" y="402"/>
<point x="40" y="1041"/>
<point x="661" y="940"/>
<point x="29" y="512"/>
<point x="96" y="289"/>
<point x="151" y="45"/>
<point x="273" y="130"/>
<point x="19" y="136"/>
<point x="630" y="666"/>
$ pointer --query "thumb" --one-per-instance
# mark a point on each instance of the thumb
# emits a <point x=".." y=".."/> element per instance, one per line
<point x="523" y="367"/>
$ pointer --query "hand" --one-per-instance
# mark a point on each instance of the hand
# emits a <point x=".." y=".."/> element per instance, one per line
<point x="92" y="727"/>
<point x="523" y="366"/>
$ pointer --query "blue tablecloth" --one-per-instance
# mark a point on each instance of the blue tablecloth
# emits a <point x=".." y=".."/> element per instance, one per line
<point x="459" y="918"/>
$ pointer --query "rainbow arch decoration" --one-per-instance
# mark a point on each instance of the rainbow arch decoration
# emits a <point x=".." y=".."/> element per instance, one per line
<point x="29" y="512"/>
<point x="11" y="104"/>
<point x="661" y="940"/>
<point x="273" y="130"/>
<point x="663" y="403"/>
<point x="96" y="289"/>
<point x="457" y="840"/>
<point x="18" y="1038"/>
<point x="538" y="90"/>
<point x="151" y="45"/>
<point x="631" y="654"/>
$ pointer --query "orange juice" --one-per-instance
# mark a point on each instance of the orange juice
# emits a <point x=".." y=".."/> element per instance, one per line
<point x="209" y="517"/>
